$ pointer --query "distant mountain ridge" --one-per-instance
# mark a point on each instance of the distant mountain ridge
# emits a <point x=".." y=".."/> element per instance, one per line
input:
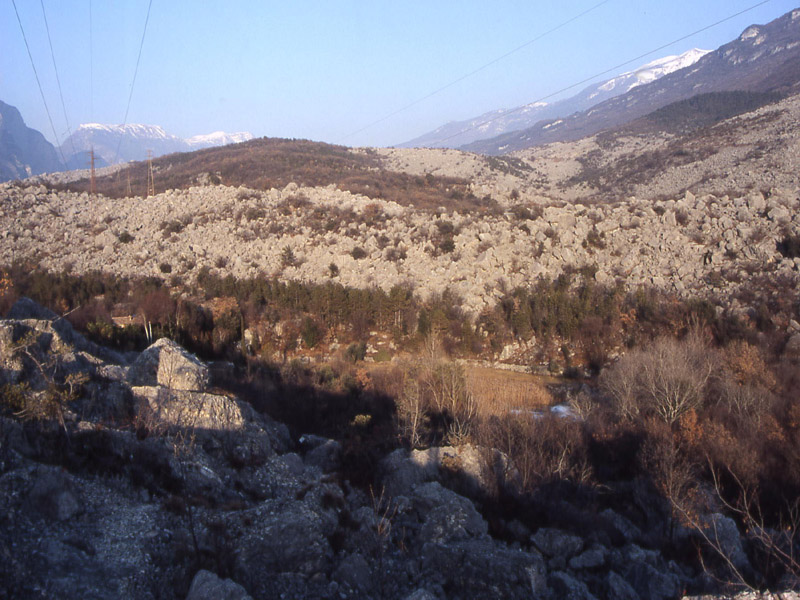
<point x="456" y="134"/>
<point x="764" y="58"/>
<point x="118" y="143"/>
<point x="23" y="151"/>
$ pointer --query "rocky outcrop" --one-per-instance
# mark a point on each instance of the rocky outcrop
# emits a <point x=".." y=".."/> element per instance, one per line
<point x="472" y="469"/>
<point x="168" y="365"/>
<point x="162" y="407"/>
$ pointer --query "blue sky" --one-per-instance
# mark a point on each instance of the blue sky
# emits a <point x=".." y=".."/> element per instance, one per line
<point x="323" y="70"/>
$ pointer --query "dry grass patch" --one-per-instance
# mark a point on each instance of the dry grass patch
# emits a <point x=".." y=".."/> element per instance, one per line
<point x="498" y="392"/>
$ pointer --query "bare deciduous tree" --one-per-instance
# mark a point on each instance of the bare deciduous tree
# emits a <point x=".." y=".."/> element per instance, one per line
<point x="668" y="378"/>
<point x="435" y="386"/>
<point x="411" y="407"/>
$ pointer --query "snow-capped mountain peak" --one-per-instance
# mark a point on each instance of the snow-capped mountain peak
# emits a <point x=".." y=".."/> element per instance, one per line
<point x="455" y="134"/>
<point x="219" y="138"/>
<point x="122" y="143"/>
<point x="653" y="70"/>
<point x="131" y="129"/>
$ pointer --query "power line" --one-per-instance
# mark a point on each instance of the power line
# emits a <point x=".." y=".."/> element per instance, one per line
<point x="58" y="80"/>
<point x="478" y="70"/>
<point x="91" y="65"/>
<point x="38" y="83"/>
<point x="596" y="75"/>
<point x="133" y="83"/>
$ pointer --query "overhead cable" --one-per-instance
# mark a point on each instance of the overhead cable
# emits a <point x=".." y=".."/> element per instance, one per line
<point x="478" y="70"/>
<point x="91" y="65"/>
<point x="38" y="83"/>
<point x="133" y="82"/>
<point x="614" y="69"/>
<point x="58" y="80"/>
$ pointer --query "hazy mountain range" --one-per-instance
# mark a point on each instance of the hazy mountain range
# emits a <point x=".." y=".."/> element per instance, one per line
<point x="25" y="152"/>
<point x="764" y="58"/>
<point x="118" y="143"/>
<point x="491" y="124"/>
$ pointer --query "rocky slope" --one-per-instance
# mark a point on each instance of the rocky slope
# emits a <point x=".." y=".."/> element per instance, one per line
<point x="753" y="150"/>
<point x="690" y="245"/>
<point x="128" y="476"/>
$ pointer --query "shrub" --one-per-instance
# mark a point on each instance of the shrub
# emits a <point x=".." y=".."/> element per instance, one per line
<point x="373" y="213"/>
<point x="358" y="253"/>
<point x="395" y="254"/>
<point x="451" y="401"/>
<point x="383" y="355"/>
<point x="445" y="227"/>
<point x="288" y="258"/>
<point x="165" y="267"/>
<point x="125" y="237"/>
<point x="594" y="239"/>
<point x="169" y="227"/>
<point x="789" y="246"/>
<point x="543" y="449"/>
<point x="356" y="351"/>
<point x="254" y="213"/>
<point x="667" y="378"/>
<point x="333" y="270"/>
<point x="14" y="397"/>
<point x="310" y="332"/>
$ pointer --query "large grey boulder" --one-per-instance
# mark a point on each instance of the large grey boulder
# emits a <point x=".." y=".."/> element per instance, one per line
<point x="592" y="558"/>
<point x="555" y="543"/>
<point x="11" y="365"/>
<point x="399" y="475"/>
<point x="207" y="586"/>
<point x="566" y="587"/>
<point x="25" y="308"/>
<point x="618" y="588"/>
<point x="793" y="345"/>
<point x="354" y="573"/>
<point x="447" y="517"/>
<point x="167" y="364"/>
<point x="289" y="539"/>
<point x="160" y="407"/>
<point x="54" y="495"/>
<point x="619" y="526"/>
<point x="652" y="582"/>
<point x="420" y="594"/>
<point x="723" y="534"/>
<point x="322" y="452"/>
<point x="473" y="470"/>
<point x="483" y="569"/>
<point x="55" y="334"/>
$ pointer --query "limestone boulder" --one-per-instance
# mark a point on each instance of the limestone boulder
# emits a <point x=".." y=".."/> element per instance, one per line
<point x="167" y="364"/>
<point x="162" y="407"/>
